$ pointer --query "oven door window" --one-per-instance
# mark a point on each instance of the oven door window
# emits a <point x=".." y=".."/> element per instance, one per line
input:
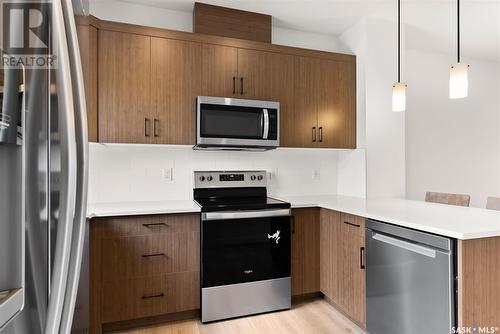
<point x="219" y="121"/>
<point x="245" y="250"/>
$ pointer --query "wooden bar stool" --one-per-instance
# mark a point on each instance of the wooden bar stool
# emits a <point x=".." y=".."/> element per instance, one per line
<point x="493" y="203"/>
<point x="444" y="198"/>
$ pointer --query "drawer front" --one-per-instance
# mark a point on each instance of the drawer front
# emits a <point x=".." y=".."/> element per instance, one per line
<point x="149" y="296"/>
<point x="144" y="225"/>
<point x="146" y="255"/>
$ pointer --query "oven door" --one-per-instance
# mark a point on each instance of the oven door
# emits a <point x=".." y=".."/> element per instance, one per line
<point x="245" y="246"/>
<point x="224" y="122"/>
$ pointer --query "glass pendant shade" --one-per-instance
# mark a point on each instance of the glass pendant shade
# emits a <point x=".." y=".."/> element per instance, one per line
<point x="459" y="81"/>
<point x="399" y="97"/>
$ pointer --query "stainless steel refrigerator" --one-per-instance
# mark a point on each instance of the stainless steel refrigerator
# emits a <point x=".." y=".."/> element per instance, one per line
<point x="43" y="168"/>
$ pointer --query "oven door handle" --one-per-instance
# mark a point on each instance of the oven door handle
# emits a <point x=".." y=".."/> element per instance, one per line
<point x="206" y="216"/>
<point x="265" y="114"/>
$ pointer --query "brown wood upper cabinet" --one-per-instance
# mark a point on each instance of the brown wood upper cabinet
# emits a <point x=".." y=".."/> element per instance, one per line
<point x="220" y="70"/>
<point x="317" y="96"/>
<point x="125" y="105"/>
<point x="148" y="80"/>
<point x="176" y="75"/>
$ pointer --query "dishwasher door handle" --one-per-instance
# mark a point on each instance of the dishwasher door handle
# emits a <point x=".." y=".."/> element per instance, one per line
<point x="415" y="248"/>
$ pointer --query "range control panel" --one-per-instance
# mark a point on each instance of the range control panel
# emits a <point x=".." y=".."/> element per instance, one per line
<point x="225" y="179"/>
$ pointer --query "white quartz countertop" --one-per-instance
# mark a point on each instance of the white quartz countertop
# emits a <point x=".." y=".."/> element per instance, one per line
<point x="451" y="221"/>
<point x="140" y="208"/>
<point x="447" y="220"/>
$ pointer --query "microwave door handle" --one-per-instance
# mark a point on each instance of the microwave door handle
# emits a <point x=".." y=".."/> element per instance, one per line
<point x="265" y="113"/>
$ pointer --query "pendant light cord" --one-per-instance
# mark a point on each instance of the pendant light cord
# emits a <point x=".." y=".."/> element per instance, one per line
<point x="458" y="31"/>
<point x="399" y="40"/>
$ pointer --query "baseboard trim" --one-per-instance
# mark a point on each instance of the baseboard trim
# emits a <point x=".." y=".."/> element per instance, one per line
<point x="150" y="321"/>
<point x="297" y="299"/>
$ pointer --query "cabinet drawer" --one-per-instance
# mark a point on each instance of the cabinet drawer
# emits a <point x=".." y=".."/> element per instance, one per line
<point x="154" y="254"/>
<point x="150" y="296"/>
<point x="143" y="225"/>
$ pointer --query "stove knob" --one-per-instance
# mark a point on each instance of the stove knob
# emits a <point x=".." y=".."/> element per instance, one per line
<point x="202" y="178"/>
<point x="252" y="177"/>
<point x="260" y="177"/>
<point x="210" y="178"/>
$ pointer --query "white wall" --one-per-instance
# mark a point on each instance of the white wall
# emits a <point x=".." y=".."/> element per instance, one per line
<point x="452" y="145"/>
<point x="351" y="173"/>
<point x="177" y="20"/>
<point x="134" y="172"/>
<point x="384" y="131"/>
<point x="141" y="15"/>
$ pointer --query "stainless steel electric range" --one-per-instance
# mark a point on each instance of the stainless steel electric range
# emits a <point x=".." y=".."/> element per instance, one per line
<point x="245" y="245"/>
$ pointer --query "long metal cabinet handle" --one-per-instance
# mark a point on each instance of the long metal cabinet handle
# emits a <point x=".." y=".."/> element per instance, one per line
<point x="314" y="134"/>
<point x="351" y="224"/>
<point x="154" y="296"/>
<point x="154" y="224"/>
<point x="147" y="126"/>
<point x="405" y="245"/>
<point x="156" y="125"/>
<point x="241" y="86"/>
<point x="81" y="132"/>
<point x="153" y="255"/>
<point x="320" y="134"/>
<point x="362" y="258"/>
<point x="68" y="172"/>
<point x="244" y="214"/>
<point x="234" y="85"/>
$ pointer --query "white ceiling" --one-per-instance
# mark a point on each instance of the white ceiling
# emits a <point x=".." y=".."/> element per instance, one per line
<point x="431" y="23"/>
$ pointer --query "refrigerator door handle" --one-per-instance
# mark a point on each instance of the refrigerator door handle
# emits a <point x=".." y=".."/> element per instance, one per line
<point x="82" y="169"/>
<point x="68" y="172"/>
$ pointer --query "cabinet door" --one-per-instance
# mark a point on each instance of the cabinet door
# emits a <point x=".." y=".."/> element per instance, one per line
<point x="125" y="109"/>
<point x="330" y="256"/>
<point x="336" y="103"/>
<point x="176" y="81"/>
<point x="305" y="251"/>
<point x="352" y="280"/>
<point x="274" y="77"/>
<point x="220" y="70"/>
<point x="300" y="125"/>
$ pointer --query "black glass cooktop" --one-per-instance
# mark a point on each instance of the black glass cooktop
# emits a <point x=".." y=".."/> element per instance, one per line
<point x="234" y="199"/>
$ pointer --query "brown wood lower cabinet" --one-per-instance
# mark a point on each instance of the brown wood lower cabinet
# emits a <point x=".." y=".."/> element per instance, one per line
<point x="352" y="270"/>
<point x="305" y="251"/>
<point x="150" y="296"/>
<point x="342" y="273"/>
<point x="143" y="266"/>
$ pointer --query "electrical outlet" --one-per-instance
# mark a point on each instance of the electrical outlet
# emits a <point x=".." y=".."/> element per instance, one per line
<point x="168" y="174"/>
<point x="272" y="174"/>
<point x="316" y="174"/>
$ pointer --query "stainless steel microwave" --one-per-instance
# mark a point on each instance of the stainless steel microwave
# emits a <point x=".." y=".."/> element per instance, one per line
<point x="227" y="123"/>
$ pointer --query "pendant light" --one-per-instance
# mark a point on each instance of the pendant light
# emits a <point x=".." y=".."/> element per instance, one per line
<point x="459" y="72"/>
<point x="399" y="88"/>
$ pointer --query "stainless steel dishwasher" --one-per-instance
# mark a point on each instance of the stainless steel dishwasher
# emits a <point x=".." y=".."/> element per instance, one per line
<point x="410" y="281"/>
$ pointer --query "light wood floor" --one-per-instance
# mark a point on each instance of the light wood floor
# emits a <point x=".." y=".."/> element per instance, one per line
<point x="315" y="316"/>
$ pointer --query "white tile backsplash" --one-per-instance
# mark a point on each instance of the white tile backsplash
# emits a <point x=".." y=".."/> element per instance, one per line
<point x="127" y="173"/>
